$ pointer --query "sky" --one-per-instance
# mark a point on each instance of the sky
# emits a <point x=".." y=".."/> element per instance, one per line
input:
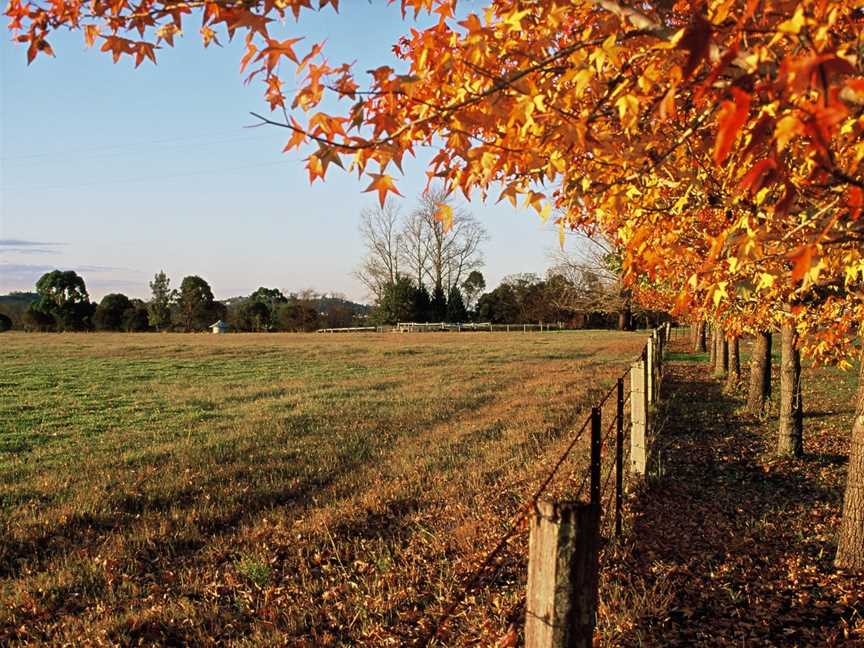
<point x="118" y="173"/>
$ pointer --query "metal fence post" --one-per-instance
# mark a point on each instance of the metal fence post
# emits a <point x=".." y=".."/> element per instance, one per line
<point x="619" y="455"/>
<point x="596" y="447"/>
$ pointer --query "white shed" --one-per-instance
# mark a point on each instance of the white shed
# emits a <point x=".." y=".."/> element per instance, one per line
<point x="219" y="327"/>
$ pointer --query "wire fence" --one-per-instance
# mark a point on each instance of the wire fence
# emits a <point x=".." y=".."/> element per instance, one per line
<point x="604" y="494"/>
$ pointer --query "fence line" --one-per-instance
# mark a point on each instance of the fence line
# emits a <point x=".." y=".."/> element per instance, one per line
<point x="545" y="628"/>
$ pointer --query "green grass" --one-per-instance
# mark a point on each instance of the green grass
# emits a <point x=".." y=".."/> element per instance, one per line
<point x="179" y="488"/>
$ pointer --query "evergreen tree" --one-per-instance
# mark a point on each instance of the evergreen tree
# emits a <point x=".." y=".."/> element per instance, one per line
<point x="397" y="302"/>
<point x="456" y="311"/>
<point x="438" y="306"/>
<point x="159" y="308"/>
<point x="422" y="304"/>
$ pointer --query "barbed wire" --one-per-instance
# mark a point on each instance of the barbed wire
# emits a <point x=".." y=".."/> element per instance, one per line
<point x="474" y="577"/>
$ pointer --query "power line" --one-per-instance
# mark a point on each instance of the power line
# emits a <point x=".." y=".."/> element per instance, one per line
<point x="108" y="148"/>
<point x="102" y="183"/>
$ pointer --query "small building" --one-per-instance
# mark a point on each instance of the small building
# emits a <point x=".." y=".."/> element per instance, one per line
<point x="219" y="327"/>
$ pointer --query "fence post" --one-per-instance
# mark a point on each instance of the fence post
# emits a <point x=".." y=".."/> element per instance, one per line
<point x="638" y="417"/>
<point x="596" y="448"/>
<point x="561" y="606"/>
<point x="619" y="456"/>
<point x="650" y="357"/>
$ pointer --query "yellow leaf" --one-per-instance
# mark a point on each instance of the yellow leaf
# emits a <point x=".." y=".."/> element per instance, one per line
<point x="445" y="216"/>
<point x="794" y="24"/>
<point x="628" y="111"/>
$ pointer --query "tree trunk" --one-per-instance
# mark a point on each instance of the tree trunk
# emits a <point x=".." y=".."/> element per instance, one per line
<point x="734" y="357"/>
<point x="790" y="434"/>
<point x="721" y="355"/>
<point x="625" y="316"/>
<point x="713" y="358"/>
<point x="850" y="546"/>
<point x="699" y="339"/>
<point x="760" y="374"/>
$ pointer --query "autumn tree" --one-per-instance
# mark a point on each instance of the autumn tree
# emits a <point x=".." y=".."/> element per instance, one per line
<point x="759" y="391"/>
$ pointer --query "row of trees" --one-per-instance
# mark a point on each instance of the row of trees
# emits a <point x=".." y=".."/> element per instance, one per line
<point x="61" y="303"/>
<point x="268" y="309"/>
<point x="405" y="255"/>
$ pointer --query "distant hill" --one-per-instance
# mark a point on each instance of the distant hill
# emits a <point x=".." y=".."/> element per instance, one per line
<point x="16" y="298"/>
<point x="15" y="304"/>
<point x="328" y="304"/>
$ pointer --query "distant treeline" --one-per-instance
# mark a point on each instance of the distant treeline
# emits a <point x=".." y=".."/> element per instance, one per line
<point x="61" y="303"/>
<point x="577" y="298"/>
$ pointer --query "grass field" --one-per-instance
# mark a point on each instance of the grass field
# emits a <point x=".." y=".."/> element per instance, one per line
<point x="259" y="489"/>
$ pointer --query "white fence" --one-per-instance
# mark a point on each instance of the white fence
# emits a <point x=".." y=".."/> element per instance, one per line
<point x="423" y="327"/>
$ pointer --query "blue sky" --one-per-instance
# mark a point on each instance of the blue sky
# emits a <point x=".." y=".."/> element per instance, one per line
<point x="118" y="173"/>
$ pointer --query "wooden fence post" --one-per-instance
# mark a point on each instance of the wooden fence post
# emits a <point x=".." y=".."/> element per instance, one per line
<point x="619" y="455"/>
<point x="650" y="358"/>
<point x="561" y="606"/>
<point x="638" y="417"/>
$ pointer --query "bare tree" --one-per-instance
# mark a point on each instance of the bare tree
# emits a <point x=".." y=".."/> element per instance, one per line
<point x="414" y="252"/>
<point x="419" y="246"/>
<point x="593" y="280"/>
<point x="450" y="254"/>
<point x="381" y="235"/>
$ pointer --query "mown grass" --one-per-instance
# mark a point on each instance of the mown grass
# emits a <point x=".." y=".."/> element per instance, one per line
<point x="260" y="489"/>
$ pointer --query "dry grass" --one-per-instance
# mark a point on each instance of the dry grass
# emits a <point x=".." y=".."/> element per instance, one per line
<point x="262" y="489"/>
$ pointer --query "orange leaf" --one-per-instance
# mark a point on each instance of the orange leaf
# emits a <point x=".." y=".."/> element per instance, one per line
<point x="855" y="197"/>
<point x="697" y="41"/>
<point x="733" y="115"/>
<point x="758" y="175"/>
<point x="382" y="183"/>
<point x="802" y="260"/>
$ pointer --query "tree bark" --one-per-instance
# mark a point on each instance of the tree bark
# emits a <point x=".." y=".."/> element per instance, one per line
<point x="699" y="338"/>
<point x="760" y="374"/>
<point x="721" y="355"/>
<point x="790" y="438"/>
<point x="734" y="370"/>
<point x="850" y="546"/>
<point x="625" y="315"/>
<point x="713" y="358"/>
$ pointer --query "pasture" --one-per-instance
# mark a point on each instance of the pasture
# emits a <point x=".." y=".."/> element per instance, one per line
<point x="276" y="488"/>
